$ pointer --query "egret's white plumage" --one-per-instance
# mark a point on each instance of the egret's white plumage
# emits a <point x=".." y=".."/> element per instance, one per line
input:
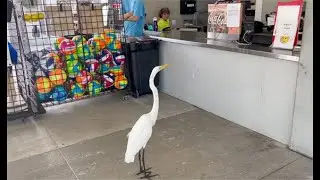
<point x="138" y="137"/>
<point x="141" y="132"/>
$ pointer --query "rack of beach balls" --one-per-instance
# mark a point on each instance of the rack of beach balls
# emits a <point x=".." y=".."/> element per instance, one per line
<point x="78" y="67"/>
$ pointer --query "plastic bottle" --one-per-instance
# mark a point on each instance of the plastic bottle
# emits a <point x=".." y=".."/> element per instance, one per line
<point x="155" y="24"/>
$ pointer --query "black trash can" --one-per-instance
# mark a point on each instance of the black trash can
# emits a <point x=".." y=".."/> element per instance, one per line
<point x="142" y="57"/>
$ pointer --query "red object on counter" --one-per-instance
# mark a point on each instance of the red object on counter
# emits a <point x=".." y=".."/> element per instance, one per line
<point x="292" y="3"/>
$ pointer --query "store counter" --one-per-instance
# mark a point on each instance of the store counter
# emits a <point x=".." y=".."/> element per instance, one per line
<point x="199" y="39"/>
<point x="252" y="86"/>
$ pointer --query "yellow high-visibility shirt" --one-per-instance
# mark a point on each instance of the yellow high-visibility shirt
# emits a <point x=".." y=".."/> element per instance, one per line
<point x="163" y="24"/>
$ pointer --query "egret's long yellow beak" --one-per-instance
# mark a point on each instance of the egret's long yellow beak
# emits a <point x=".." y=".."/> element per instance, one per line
<point x="164" y="66"/>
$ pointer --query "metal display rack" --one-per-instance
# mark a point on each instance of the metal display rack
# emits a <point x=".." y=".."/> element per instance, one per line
<point x="69" y="50"/>
<point x="21" y="101"/>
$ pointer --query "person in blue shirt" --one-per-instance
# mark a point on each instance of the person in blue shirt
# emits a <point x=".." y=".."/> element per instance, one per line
<point x="134" y="15"/>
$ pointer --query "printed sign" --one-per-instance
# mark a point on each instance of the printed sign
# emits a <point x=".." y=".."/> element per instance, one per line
<point x="286" y="24"/>
<point x="224" y="19"/>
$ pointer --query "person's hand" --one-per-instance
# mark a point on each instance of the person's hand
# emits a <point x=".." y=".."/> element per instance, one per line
<point x="128" y="15"/>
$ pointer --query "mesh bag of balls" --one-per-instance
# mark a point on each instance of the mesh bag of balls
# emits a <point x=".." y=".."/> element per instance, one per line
<point x="76" y="67"/>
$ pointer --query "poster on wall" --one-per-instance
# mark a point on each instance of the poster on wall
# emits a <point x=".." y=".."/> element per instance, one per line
<point x="286" y="24"/>
<point x="224" y="21"/>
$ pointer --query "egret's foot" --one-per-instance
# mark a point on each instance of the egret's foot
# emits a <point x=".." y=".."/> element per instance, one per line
<point x="142" y="171"/>
<point x="148" y="175"/>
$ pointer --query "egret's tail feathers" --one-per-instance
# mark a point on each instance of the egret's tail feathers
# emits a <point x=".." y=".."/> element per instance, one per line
<point x="129" y="158"/>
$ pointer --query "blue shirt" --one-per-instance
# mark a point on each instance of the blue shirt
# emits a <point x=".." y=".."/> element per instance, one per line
<point x="132" y="28"/>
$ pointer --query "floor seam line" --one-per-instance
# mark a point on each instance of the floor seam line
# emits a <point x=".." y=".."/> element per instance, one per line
<point x="63" y="156"/>
<point x="272" y="172"/>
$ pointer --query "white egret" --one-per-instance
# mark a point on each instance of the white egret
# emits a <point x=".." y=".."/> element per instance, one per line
<point x="141" y="132"/>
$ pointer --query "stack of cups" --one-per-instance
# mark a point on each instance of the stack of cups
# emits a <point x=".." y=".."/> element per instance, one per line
<point x="173" y="24"/>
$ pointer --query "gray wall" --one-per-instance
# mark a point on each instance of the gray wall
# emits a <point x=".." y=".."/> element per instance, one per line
<point x="302" y="131"/>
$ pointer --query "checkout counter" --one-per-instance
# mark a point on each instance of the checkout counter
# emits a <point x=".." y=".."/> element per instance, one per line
<point x="252" y="85"/>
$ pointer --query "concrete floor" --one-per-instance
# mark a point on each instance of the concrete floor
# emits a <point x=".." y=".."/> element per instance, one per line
<point x="87" y="140"/>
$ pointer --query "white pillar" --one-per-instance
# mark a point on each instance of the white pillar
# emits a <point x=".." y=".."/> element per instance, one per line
<point x="302" y="128"/>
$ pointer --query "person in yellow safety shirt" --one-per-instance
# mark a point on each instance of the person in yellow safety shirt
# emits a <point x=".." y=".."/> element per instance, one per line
<point x="164" y="22"/>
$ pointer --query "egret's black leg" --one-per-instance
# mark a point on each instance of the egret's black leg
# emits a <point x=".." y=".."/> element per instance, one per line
<point x="147" y="174"/>
<point x="143" y="163"/>
<point x="140" y="165"/>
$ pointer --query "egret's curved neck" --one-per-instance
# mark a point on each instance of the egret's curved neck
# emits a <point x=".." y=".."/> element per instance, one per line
<point x="155" y="107"/>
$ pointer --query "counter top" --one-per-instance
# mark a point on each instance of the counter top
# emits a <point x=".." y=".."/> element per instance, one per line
<point x="200" y="39"/>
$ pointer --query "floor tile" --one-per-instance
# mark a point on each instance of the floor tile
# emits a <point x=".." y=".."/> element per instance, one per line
<point x="25" y="139"/>
<point x="50" y="165"/>
<point x="301" y="169"/>
<point x="195" y="144"/>
<point x="72" y="123"/>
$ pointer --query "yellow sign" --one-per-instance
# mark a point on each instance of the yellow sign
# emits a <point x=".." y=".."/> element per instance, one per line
<point x="284" y="39"/>
<point x="34" y="17"/>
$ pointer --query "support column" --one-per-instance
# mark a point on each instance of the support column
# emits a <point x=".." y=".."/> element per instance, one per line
<point x="302" y="128"/>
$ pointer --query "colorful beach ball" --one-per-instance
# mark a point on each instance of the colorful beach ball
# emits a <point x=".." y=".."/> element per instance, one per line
<point x="58" y="76"/>
<point x="59" y="93"/>
<point x="73" y="68"/>
<point x="108" y="80"/>
<point x="84" y="77"/>
<point x="120" y="82"/>
<point x="105" y="56"/>
<point x="84" y="52"/>
<point x="71" y="57"/>
<point x="94" y="88"/>
<point x="106" y="38"/>
<point x="109" y="35"/>
<point x="97" y="43"/>
<point x="103" y="68"/>
<point x="92" y="66"/>
<point x="79" y="40"/>
<point x="43" y="85"/>
<point x="57" y="42"/>
<point x="119" y="60"/>
<point x="77" y="91"/>
<point x="116" y="70"/>
<point x="117" y="45"/>
<point x="55" y="57"/>
<point x="114" y="46"/>
<point x="44" y="96"/>
<point x="67" y="46"/>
